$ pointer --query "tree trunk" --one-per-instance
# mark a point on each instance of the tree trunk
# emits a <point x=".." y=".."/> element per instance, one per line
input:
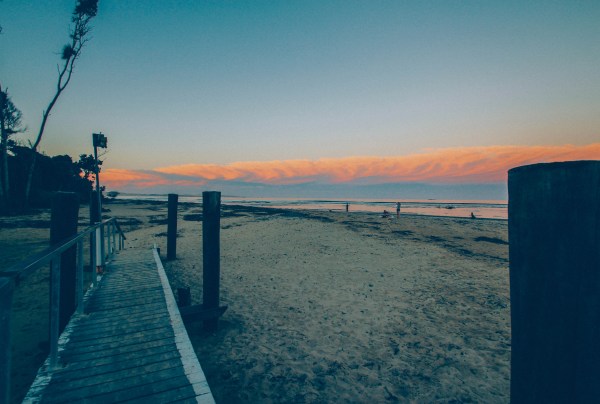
<point x="4" y="184"/>
<point x="29" y="180"/>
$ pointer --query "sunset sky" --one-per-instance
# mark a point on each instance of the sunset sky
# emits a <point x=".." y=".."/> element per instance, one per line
<point x="193" y="94"/>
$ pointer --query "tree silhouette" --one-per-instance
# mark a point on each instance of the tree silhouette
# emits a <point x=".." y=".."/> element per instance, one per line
<point x="87" y="165"/>
<point x="85" y="11"/>
<point x="10" y="124"/>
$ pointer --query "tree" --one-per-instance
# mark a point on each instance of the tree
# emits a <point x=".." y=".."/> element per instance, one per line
<point x="10" y="124"/>
<point x="85" y="11"/>
<point x="87" y="164"/>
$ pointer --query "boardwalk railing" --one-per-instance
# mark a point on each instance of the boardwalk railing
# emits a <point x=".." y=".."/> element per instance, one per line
<point x="106" y="238"/>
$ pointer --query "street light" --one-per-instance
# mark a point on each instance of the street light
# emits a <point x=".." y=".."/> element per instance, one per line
<point x="99" y="140"/>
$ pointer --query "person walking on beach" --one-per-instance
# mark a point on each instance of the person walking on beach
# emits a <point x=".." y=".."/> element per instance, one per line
<point x="398" y="210"/>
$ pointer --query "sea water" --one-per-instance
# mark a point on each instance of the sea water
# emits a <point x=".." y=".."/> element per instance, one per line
<point x="484" y="209"/>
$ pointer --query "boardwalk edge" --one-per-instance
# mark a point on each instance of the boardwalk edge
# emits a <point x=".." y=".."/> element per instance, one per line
<point x="190" y="362"/>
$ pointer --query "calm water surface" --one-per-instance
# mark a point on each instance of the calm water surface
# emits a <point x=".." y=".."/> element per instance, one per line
<point x="432" y="207"/>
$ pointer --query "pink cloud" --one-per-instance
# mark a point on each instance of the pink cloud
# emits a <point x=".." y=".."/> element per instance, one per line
<point x="450" y="165"/>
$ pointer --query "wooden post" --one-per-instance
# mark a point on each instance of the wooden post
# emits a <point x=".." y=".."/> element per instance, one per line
<point x="184" y="297"/>
<point x="554" y="222"/>
<point x="63" y="224"/>
<point x="6" y="291"/>
<point x="211" y="218"/>
<point x="172" y="227"/>
<point x="94" y="218"/>
<point x="55" y="311"/>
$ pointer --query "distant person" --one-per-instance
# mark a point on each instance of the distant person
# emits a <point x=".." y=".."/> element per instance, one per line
<point x="473" y="216"/>
<point x="386" y="213"/>
<point x="398" y="209"/>
<point x="347" y="206"/>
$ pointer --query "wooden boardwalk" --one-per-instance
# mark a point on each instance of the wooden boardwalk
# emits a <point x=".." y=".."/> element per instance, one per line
<point x="129" y="346"/>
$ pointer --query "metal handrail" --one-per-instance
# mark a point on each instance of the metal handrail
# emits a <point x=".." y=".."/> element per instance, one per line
<point x="52" y="255"/>
<point x="26" y="267"/>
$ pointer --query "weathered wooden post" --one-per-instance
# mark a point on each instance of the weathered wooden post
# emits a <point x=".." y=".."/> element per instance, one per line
<point x="94" y="218"/>
<point x="6" y="292"/>
<point x="63" y="224"/>
<point x="211" y="226"/>
<point x="172" y="227"/>
<point x="184" y="297"/>
<point x="554" y="233"/>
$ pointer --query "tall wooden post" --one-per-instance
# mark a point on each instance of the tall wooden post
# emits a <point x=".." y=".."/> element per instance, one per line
<point x="6" y="292"/>
<point x="554" y="233"/>
<point x="94" y="218"/>
<point x="211" y="226"/>
<point x="172" y="227"/>
<point x="63" y="224"/>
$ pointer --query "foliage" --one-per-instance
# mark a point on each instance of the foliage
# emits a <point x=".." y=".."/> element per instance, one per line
<point x="10" y="124"/>
<point x="52" y="174"/>
<point x="87" y="164"/>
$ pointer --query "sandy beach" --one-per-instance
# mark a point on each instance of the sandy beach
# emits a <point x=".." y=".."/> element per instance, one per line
<point x="337" y="307"/>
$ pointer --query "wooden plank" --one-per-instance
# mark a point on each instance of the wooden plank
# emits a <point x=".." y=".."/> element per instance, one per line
<point x="70" y="357"/>
<point x="125" y="336"/>
<point x="133" y="310"/>
<point x="94" y="332"/>
<point x="147" y="393"/>
<point x="101" y="369"/>
<point x="130" y="345"/>
<point x="128" y="357"/>
<point x="138" y="338"/>
<point x="168" y="377"/>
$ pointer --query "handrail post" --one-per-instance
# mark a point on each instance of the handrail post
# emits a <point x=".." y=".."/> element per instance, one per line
<point x="79" y="277"/>
<point x="108" y="239"/>
<point x="99" y="260"/>
<point x="54" y="309"/>
<point x="114" y="239"/>
<point x="6" y="291"/>
<point x="94" y="252"/>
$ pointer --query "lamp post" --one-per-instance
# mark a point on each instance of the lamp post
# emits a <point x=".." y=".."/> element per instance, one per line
<point x="99" y="140"/>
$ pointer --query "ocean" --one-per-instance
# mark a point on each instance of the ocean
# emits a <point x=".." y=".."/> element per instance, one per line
<point x="483" y="209"/>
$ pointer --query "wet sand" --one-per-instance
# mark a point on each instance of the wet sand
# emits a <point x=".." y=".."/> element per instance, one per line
<point x="329" y="306"/>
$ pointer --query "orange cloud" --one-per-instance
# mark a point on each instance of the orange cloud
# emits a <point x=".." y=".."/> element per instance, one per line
<point x="455" y="165"/>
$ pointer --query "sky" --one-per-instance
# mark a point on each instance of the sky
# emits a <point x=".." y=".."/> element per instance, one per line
<point x="196" y="94"/>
